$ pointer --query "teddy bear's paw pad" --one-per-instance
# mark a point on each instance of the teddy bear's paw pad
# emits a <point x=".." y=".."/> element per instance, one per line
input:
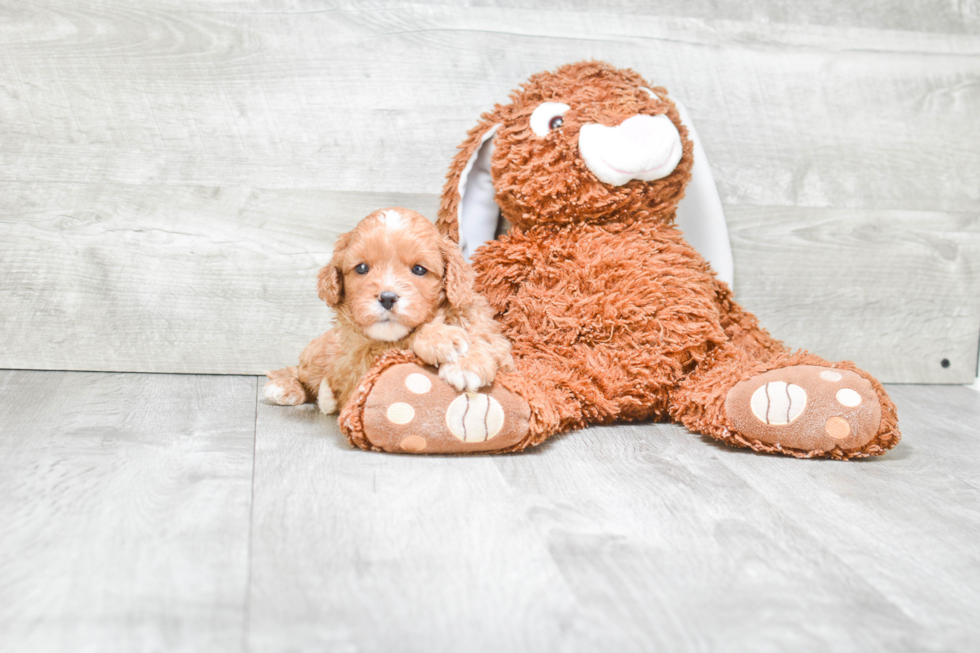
<point x="285" y="392"/>
<point x="411" y="410"/>
<point x="806" y="408"/>
<point x="475" y="417"/>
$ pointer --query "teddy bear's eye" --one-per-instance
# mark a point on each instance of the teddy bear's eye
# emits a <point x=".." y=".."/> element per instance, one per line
<point x="419" y="270"/>
<point x="548" y="117"/>
<point x="361" y="268"/>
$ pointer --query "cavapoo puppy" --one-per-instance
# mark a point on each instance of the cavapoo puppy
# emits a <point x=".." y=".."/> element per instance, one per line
<point x="395" y="282"/>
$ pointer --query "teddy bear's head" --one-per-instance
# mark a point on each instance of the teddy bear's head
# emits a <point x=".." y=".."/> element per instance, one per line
<point x="587" y="142"/>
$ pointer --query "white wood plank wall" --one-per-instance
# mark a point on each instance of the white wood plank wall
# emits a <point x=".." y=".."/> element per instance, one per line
<point x="173" y="172"/>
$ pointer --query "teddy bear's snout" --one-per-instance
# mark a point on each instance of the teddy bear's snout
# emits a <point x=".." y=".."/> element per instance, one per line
<point x="641" y="147"/>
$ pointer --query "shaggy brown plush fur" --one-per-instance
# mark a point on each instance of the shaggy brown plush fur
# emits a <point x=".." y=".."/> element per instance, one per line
<point x="544" y="180"/>
<point x="612" y="315"/>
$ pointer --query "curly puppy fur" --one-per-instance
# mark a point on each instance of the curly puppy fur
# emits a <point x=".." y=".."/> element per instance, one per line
<point x="612" y="314"/>
<point x="394" y="282"/>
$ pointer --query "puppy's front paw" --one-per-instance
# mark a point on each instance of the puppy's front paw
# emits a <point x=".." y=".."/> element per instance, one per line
<point x="437" y="344"/>
<point x="469" y="374"/>
<point x="456" y="375"/>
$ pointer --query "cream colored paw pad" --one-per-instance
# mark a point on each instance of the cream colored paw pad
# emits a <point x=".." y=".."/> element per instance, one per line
<point x="838" y="428"/>
<point x="831" y="375"/>
<point x="400" y="413"/>
<point x="418" y="383"/>
<point x="413" y="443"/>
<point x="778" y="402"/>
<point x="474" y="417"/>
<point x="848" y="397"/>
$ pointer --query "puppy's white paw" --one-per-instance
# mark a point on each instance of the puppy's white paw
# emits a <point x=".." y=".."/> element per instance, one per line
<point x="462" y="378"/>
<point x="284" y="392"/>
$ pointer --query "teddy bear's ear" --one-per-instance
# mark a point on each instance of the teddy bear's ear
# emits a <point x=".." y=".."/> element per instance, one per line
<point x="468" y="212"/>
<point x="700" y="215"/>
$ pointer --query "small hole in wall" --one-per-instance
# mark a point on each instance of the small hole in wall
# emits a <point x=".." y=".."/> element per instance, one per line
<point x="944" y="362"/>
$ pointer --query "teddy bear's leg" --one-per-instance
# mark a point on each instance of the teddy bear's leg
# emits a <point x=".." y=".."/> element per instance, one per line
<point x="402" y="406"/>
<point x="794" y="404"/>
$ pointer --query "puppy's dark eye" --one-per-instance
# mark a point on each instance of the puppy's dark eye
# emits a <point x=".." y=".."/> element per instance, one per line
<point x="419" y="270"/>
<point x="361" y="268"/>
<point x="555" y="123"/>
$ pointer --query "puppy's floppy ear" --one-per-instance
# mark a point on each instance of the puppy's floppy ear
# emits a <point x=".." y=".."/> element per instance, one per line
<point x="459" y="276"/>
<point x="330" y="282"/>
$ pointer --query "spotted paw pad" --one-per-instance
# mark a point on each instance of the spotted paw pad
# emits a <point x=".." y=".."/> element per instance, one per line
<point x="411" y="410"/>
<point x="475" y="417"/>
<point x="806" y="407"/>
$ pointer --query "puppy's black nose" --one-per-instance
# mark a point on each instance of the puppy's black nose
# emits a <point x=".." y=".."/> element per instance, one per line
<point x="387" y="299"/>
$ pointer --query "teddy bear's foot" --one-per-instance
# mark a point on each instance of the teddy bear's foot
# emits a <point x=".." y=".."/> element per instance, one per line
<point x="806" y="411"/>
<point x="407" y="408"/>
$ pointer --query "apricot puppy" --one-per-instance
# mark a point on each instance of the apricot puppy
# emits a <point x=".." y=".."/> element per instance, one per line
<point x="395" y="282"/>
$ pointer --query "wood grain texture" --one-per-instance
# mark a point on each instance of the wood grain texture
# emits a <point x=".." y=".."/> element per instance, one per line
<point x="905" y="526"/>
<point x="790" y="115"/>
<point x="136" y="516"/>
<point x="912" y="15"/>
<point x="626" y="538"/>
<point x="915" y="15"/>
<point x="234" y="293"/>
<point x="898" y="292"/>
<point x="124" y="504"/>
<point x="169" y="278"/>
<point x="353" y="551"/>
<point x="226" y="145"/>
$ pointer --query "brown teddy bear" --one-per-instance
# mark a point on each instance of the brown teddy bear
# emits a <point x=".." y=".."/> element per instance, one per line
<point x="613" y="316"/>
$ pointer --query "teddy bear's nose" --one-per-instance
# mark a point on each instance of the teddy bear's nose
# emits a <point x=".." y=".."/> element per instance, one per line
<point x="640" y="130"/>
<point x="387" y="299"/>
<point x="641" y="147"/>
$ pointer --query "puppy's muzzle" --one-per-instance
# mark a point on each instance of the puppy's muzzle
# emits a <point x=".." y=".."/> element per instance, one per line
<point x="387" y="299"/>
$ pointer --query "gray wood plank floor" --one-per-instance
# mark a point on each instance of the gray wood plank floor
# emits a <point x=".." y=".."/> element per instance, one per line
<point x="124" y="511"/>
<point x="180" y="513"/>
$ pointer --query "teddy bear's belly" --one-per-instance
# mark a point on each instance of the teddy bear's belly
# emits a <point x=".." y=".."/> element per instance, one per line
<point x="621" y="317"/>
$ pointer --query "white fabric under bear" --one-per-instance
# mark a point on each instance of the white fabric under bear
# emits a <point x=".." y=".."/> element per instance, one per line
<point x="700" y="215"/>
<point x="479" y="214"/>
